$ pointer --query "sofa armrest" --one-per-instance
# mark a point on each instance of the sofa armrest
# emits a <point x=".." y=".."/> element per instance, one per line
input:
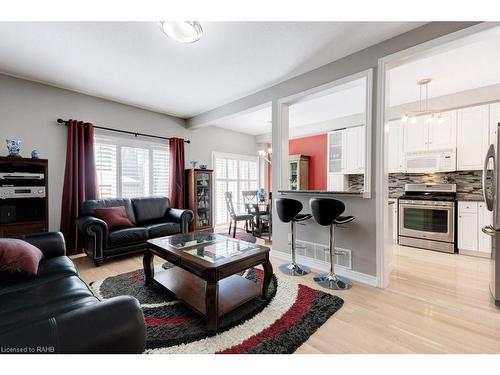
<point x="98" y="232"/>
<point x="111" y="326"/>
<point x="181" y="216"/>
<point x="51" y="244"/>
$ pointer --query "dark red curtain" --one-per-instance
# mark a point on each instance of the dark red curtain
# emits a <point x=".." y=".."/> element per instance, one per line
<point x="80" y="179"/>
<point x="176" y="176"/>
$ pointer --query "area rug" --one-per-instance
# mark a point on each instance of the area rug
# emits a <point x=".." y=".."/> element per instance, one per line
<point x="277" y="326"/>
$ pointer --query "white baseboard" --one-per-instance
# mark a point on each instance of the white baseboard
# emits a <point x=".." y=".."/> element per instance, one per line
<point x="318" y="265"/>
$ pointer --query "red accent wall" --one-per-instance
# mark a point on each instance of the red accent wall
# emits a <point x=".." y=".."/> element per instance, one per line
<point x="316" y="148"/>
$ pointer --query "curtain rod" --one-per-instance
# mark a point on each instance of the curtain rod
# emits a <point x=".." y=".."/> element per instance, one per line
<point x="64" y="122"/>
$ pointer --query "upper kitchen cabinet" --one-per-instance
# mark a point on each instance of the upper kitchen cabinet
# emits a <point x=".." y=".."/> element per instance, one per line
<point x="415" y="135"/>
<point x="422" y="135"/>
<point x="442" y="134"/>
<point x="354" y="147"/>
<point x="494" y="120"/>
<point x="395" y="146"/>
<point x="472" y="137"/>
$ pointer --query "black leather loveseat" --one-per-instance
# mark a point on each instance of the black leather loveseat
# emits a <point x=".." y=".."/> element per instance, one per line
<point x="151" y="216"/>
<point x="55" y="312"/>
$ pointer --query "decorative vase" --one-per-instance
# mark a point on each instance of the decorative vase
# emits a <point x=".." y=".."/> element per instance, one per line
<point x="262" y="195"/>
<point x="194" y="163"/>
<point x="35" y="154"/>
<point x="203" y="166"/>
<point x="14" y="147"/>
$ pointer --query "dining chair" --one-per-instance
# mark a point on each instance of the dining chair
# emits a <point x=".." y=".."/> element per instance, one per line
<point x="234" y="217"/>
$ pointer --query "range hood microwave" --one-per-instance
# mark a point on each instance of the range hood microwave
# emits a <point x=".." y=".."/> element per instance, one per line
<point x="431" y="161"/>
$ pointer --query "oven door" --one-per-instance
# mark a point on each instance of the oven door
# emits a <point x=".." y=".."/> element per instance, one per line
<point x="430" y="222"/>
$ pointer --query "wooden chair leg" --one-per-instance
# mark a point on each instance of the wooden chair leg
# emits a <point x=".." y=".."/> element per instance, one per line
<point x="234" y="228"/>
<point x="230" y="222"/>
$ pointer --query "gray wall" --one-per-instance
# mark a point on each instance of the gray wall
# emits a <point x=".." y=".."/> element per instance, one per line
<point x="362" y="237"/>
<point x="28" y="111"/>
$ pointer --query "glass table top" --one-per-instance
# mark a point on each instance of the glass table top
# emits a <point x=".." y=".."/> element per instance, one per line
<point x="207" y="246"/>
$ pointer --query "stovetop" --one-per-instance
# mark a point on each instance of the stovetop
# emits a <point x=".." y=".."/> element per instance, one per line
<point x="429" y="196"/>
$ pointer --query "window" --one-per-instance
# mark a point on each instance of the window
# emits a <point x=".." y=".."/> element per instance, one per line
<point x="130" y="168"/>
<point x="234" y="173"/>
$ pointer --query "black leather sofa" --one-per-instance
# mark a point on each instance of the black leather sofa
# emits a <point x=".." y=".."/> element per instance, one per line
<point x="151" y="216"/>
<point x="55" y="311"/>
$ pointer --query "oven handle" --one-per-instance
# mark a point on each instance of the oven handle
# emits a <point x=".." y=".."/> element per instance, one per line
<point x="426" y="206"/>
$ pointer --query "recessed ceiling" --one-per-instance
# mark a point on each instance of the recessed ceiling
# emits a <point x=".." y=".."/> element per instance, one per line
<point x="135" y="63"/>
<point x="341" y="101"/>
<point x="466" y="67"/>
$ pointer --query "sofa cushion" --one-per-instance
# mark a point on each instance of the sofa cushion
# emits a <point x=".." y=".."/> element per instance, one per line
<point x="114" y="217"/>
<point x="18" y="256"/>
<point x="162" y="229"/>
<point x="150" y="208"/>
<point x="121" y="237"/>
<point x="88" y="207"/>
<point x="48" y="269"/>
<point x="44" y="300"/>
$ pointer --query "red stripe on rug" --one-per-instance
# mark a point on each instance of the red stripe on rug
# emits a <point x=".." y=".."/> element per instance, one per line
<point x="305" y="297"/>
<point x="155" y="322"/>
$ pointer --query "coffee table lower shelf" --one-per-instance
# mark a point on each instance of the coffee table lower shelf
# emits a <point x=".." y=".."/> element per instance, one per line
<point x="233" y="291"/>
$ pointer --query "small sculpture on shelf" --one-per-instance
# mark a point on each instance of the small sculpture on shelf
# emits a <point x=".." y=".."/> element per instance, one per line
<point x="14" y="147"/>
<point x="194" y="163"/>
<point x="203" y="166"/>
<point x="35" y="154"/>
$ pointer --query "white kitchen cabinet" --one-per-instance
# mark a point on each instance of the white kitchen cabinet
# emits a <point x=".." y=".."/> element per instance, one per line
<point x="415" y="135"/>
<point x="395" y="146"/>
<point x="472" y="137"/>
<point x="472" y="217"/>
<point x="336" y="181"/>
<point x="485" y="218"/>
<point x="467" y="226"/>
<point x="443" y="134"/>
<point x="354" y="150"/>
<point x="422" y="135"/>
<point x="494" y="120"/>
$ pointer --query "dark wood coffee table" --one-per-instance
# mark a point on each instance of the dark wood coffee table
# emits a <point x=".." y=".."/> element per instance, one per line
<point x="206" y="274"/>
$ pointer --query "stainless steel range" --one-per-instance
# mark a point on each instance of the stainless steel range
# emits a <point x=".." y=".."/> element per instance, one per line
<point x="427" y="217"/>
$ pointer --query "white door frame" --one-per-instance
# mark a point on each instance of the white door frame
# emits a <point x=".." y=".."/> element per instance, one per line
<point x="386" y="63"/>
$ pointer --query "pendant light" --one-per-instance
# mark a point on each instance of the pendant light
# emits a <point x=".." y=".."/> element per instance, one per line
<point x="423" y="106"/>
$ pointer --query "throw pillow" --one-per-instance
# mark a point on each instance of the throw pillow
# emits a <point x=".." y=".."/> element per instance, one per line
<point x="114" y="217"/>
<point x="18" y="256"/>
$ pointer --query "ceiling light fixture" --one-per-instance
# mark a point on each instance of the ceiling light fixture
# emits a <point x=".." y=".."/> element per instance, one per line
<point x="423" y="110"/>
<point x="183" y="31"/>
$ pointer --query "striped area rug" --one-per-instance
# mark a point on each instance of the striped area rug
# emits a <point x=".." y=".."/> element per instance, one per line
<point x="280" y="325"/>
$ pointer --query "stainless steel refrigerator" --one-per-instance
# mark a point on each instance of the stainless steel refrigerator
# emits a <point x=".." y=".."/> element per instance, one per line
<point x="491" y="180"/>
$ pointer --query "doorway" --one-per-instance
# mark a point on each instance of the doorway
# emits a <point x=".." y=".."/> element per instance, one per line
<point x="430" y="119"/>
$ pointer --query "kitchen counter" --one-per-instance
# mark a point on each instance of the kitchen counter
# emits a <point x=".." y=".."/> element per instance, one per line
<point x="322" y="192"/>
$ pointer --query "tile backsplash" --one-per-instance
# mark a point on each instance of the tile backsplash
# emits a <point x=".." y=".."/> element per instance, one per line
<point x="356" y="182"/>
<point x="469" y="185"/>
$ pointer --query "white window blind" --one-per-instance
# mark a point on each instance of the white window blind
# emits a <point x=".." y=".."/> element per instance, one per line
<point x="131" y="168"/>
<point x="233" y="173"/>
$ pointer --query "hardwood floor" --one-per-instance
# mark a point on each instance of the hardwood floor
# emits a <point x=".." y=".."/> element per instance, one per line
<point x="435" y="303"/>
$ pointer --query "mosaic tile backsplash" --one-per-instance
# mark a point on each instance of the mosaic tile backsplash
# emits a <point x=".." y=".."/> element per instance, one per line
<point x="469" y="185"/>
<point x="356" y="182"/>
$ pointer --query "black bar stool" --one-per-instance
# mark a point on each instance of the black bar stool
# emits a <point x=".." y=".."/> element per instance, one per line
<point x="288" y="212"/>
<point x="327" y="212"/>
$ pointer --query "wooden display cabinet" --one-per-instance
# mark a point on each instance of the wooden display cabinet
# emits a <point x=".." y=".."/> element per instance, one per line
<point x="199" y="198"/>
<point x="23" y="215"/>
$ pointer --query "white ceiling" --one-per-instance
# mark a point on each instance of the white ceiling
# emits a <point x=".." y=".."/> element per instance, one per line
<point x="341" y="101"/>
<point x="466" y="67"/>
<point x="134" y="63"/>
